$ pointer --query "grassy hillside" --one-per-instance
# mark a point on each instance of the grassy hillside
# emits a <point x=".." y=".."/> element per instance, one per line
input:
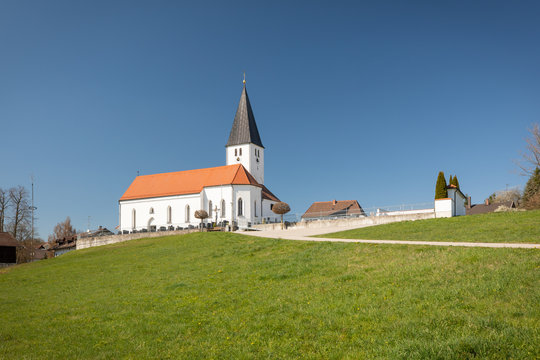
<point x="221" y="295"/>
<point x="509" y="227"/>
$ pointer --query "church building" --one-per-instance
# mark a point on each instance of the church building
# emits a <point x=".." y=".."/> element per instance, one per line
<point x="234" y="193"/>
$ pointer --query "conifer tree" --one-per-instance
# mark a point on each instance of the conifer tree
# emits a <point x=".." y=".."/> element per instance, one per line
<point x="450" y="180"/>
<point x="456" y="182"/>
<point x="440" y="187"/>
<point x="531" y="193"/>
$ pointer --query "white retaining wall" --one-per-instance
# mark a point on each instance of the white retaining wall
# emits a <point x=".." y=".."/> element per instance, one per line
<point x="360" y="222"/>
<point x="84" y="243"/>
<point x="382" y="212"/>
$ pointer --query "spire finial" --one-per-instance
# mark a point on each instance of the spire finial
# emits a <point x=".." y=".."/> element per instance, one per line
<point x="244" y="81"/>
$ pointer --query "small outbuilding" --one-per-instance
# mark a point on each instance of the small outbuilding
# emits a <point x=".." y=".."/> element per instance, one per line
<point x="453" y="205"/>
<point x="8" y="249"/>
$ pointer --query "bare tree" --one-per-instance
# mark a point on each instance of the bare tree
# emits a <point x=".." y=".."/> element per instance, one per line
<point x="62" y="230"/>
<point x="21" y="212"/>
<point x="501" y="196"/>
<point x="201" y="214"/>
<point x="4" y="207"/>
<point x="281" y="208"/>
<point x="531" y="159"/>
<point x="27" y="249"/>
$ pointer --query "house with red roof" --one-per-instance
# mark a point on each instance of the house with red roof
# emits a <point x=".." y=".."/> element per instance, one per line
<point x="234" y="193"/>
<point x="327" y="210"/>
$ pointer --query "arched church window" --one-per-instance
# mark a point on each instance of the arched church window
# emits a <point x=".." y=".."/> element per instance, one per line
<point x="255" y="207"/>
<point x="169" y="215"/>
<point x="210" y="208"/>
<point x="235" y="152"/>
<point x="187" y="213"/>
<point x="240" y="207"/>
<point x="223" y="208"/>
<point x="133" y="219"/>
<point x="240" y="151"/>
<point x="151" y="210"/>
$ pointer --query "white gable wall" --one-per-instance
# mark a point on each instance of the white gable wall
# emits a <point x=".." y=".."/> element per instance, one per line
<point x="249" y="195"/>
<point x="250" y="154"/>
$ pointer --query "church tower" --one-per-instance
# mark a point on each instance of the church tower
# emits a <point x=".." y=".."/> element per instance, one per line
<point x="244" y="145"/>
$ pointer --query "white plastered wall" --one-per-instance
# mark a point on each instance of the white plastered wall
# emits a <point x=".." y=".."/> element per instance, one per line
<point x="251" y="198"/>
<point x="248" y="159"/>
<point x="268" y="214"/>
<point x="216" y="194"/>
<point x="443" y="208"/>
<point x="250" y="195"/>
<point x="458" y="206"/>
<point x="143" y="217"/>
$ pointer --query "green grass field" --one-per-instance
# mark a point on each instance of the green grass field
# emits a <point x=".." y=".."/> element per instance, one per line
<point x="503" y="227"/>
<point x="228" y="296"/>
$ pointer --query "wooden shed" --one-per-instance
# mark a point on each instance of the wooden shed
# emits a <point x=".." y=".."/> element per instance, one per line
<point x="8" y="249"/>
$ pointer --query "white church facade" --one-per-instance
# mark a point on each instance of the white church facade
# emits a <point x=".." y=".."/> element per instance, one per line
<point x="233" y="194"/>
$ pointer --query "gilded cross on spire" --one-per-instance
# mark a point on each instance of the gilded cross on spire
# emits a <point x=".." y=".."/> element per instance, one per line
<point x="244" y="81"/>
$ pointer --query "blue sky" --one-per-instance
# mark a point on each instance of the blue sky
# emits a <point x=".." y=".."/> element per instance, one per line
<point x="353" y="100"/>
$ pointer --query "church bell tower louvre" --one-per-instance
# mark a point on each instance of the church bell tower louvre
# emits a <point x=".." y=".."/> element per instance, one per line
<point x="244" y="145"/>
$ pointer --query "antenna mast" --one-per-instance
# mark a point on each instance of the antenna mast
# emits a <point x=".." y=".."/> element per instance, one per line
<point x="32" y="207"/>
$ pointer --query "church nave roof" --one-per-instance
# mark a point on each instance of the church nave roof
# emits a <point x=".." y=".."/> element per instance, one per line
<point x="191" y="182"/>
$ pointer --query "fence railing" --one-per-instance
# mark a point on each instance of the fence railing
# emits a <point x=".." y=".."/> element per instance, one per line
<point x="386" y="210"/>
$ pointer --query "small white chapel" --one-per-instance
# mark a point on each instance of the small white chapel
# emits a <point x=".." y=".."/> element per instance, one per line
<point x="234" y="193"/>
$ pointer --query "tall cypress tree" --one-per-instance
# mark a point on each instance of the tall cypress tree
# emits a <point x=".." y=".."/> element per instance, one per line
<point x="440" y="187"/>
<point x="451" y="180"/>
<point x="456" y="182"/>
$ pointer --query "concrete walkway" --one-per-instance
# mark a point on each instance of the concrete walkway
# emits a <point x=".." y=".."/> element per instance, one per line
<point x="304" y="235"/>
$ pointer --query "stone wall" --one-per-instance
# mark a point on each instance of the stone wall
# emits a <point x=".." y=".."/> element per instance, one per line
<point x="84" y="243"/>
<point x="350" y="222"/>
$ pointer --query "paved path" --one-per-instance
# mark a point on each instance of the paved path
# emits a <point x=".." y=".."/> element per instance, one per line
<point x="304" y="235"/>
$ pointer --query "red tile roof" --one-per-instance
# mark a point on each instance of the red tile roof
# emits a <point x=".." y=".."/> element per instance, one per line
<point x="328" y="208"/>
<point x="191" y="182"/>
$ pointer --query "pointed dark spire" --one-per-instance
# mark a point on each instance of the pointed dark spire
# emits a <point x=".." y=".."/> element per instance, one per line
<point x="244" y="129"/>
